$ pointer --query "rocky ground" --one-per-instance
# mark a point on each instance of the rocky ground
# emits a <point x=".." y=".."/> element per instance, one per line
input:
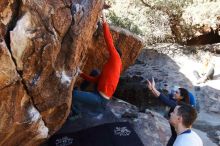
<point x="172" y="64"/>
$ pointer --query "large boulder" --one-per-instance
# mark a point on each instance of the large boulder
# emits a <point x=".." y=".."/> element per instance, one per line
<point x="41" y="45"/>
<point x="152" y="128"/>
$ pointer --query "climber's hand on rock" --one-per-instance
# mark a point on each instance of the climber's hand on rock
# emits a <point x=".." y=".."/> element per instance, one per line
<point x="103" y="17"/>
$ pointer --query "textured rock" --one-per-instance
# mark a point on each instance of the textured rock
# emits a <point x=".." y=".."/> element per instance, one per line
<point x="41" y="44"/>
<point x="19" y="117"/>
<point x="8" y="73"/>
<point x="45" y="63"/>
<point x="151" y="127"/>
<point x="7" y="12"/>
<point x="123" y="39"/>
<point x="21" y="122"/>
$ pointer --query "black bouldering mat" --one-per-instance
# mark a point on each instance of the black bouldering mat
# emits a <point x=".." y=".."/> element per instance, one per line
<point x="110" y="134"/>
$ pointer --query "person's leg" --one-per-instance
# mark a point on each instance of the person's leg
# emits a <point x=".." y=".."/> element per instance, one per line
<point x="86" y="98"/>
<point x="89" y="98"/>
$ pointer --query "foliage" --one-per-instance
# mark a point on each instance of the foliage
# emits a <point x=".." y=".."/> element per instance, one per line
<point x="124" y="23"/>
<point x="156" y="20"/>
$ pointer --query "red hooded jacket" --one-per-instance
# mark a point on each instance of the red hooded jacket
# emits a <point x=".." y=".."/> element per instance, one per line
<point x="108" y="79"/>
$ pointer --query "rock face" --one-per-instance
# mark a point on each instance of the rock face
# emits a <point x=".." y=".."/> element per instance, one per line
<point x="151" y="127"/>
<point x="41" y="44"/>
<point x="123" y="39"/>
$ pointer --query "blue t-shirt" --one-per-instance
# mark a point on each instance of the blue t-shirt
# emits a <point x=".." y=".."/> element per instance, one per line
<point x="172" y="102"/>
<point x="192" y="99"/>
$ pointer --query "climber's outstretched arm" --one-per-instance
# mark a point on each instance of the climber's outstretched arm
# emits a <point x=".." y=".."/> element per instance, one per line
<point x="107" y="35"/>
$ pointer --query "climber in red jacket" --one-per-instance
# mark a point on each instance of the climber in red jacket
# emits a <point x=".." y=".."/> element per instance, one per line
<point x="107" y="80"/>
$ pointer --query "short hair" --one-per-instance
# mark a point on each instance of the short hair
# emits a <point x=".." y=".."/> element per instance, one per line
<point x="188" y="114"/>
